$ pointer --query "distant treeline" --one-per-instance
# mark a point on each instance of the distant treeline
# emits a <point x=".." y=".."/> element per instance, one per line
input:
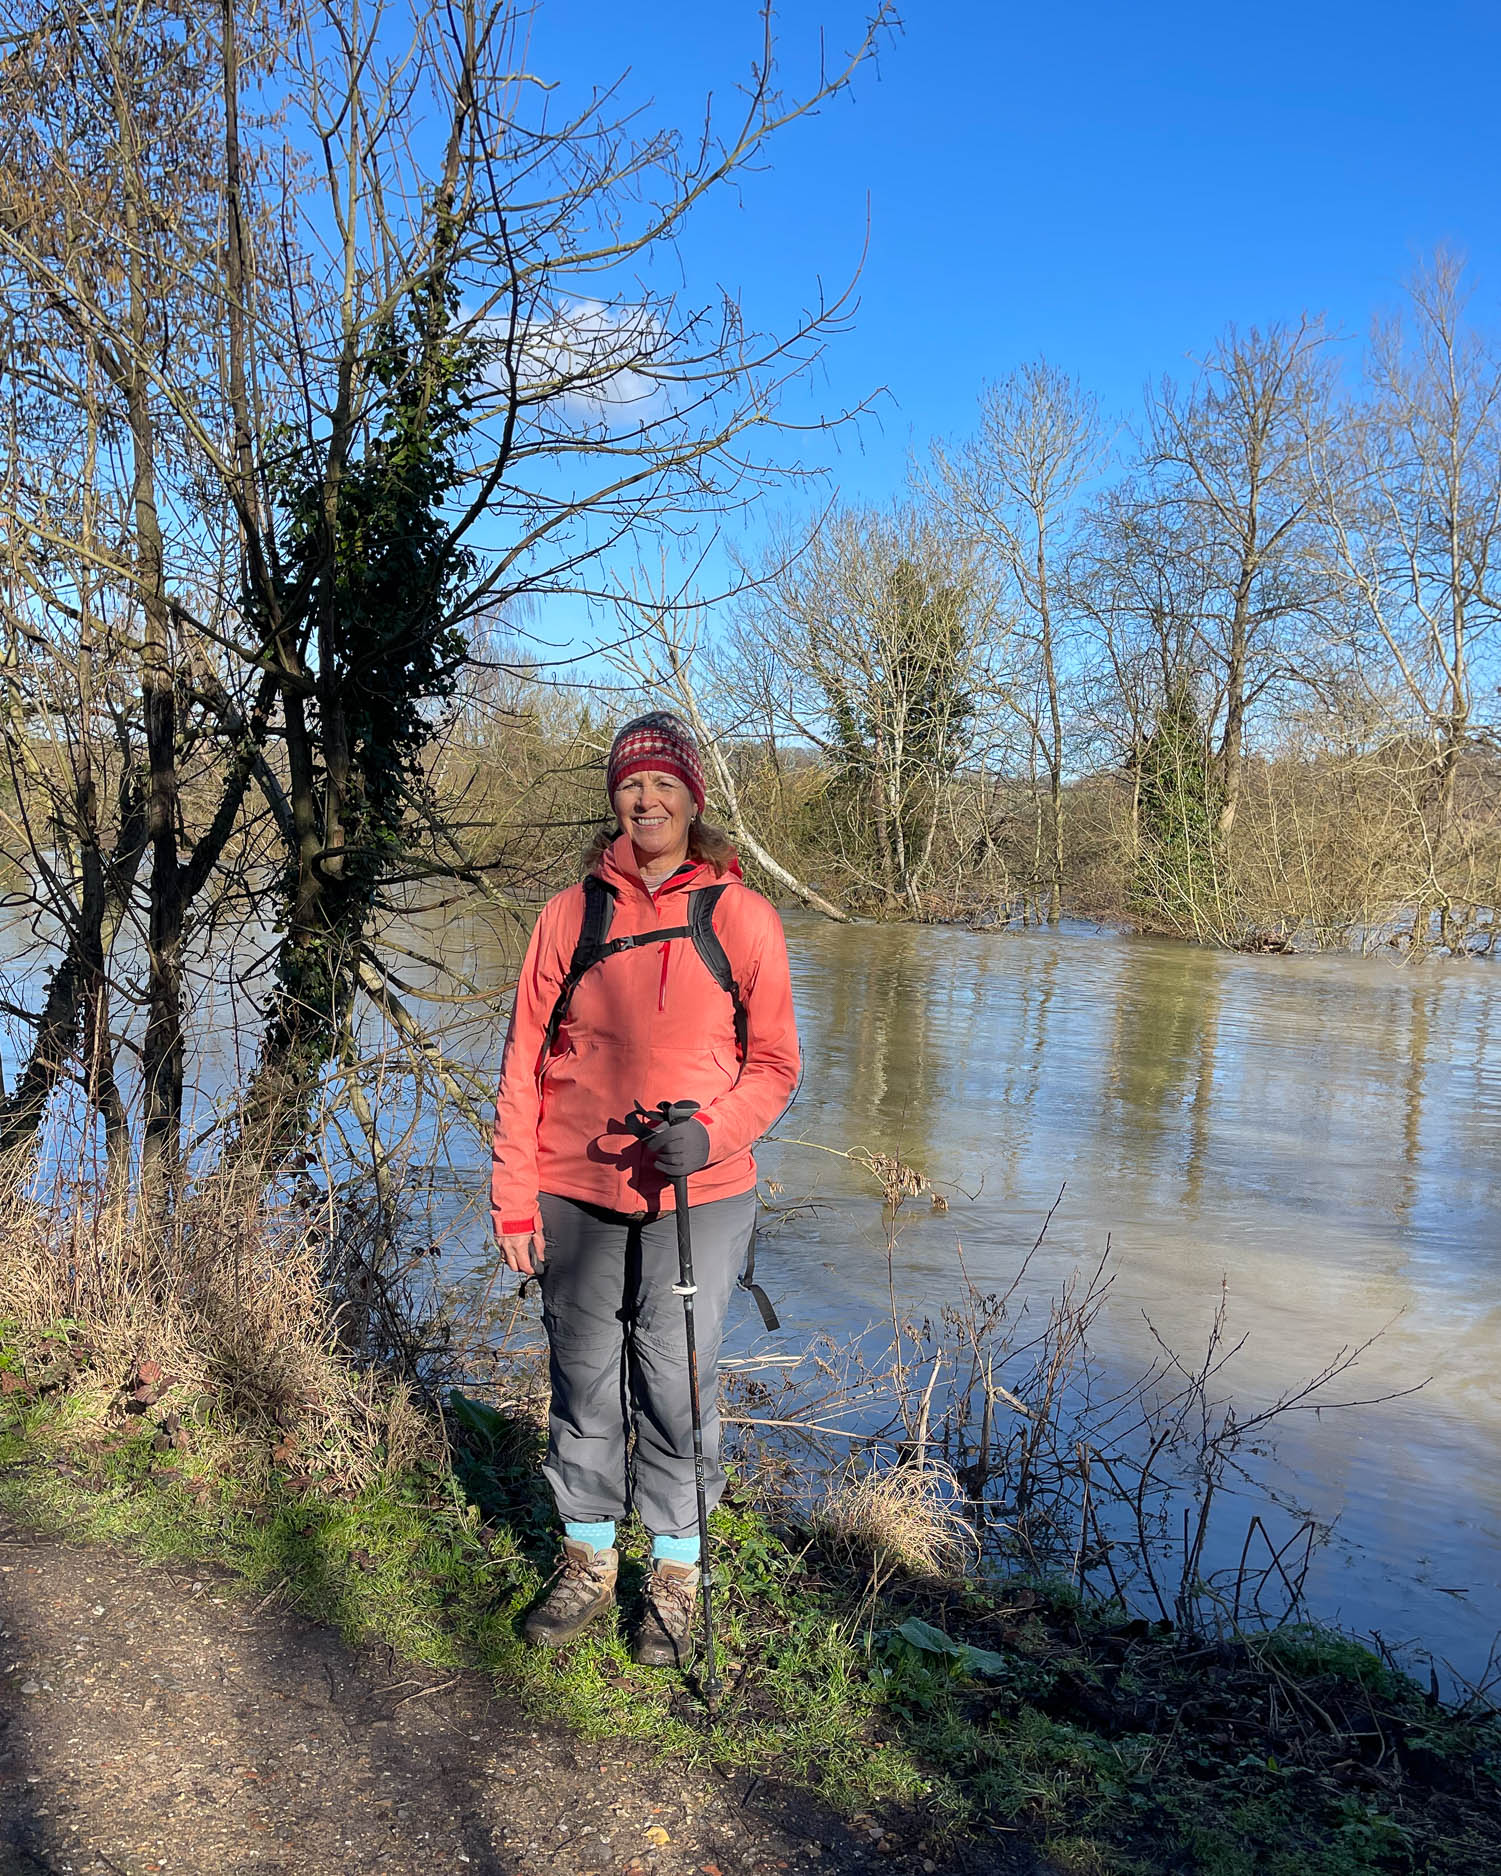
<point x="1229" y="673"/>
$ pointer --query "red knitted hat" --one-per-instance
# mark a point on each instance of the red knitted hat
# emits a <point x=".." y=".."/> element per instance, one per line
<point x="656" y="741"/>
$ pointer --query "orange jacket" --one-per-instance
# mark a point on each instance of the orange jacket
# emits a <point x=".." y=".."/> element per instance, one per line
<point x="647" y="1025"/>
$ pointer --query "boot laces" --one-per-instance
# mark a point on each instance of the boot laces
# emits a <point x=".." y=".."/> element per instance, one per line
<point x="672" y="1600"/>
<point x="578" y="1581"/>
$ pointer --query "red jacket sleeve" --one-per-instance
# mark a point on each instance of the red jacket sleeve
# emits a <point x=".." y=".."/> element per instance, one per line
<point x="513" y="1151"/>
<point x="757" y="949"/>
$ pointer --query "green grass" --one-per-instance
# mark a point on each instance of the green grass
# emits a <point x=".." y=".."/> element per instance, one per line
<point x="1105" y="1742"/>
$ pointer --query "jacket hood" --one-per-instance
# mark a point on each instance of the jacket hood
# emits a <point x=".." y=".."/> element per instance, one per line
<point x="618" y="867"/>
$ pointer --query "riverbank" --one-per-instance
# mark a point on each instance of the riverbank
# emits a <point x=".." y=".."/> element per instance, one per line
<point x="948" y="1721"/>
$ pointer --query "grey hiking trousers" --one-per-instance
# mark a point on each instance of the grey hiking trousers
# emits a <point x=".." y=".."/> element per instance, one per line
<point x="619" y="1357"/>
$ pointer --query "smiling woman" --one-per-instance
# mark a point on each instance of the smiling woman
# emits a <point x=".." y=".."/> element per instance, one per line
<point x="661" y="979"/>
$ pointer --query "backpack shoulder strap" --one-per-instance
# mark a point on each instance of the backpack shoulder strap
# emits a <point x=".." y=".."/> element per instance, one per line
<point x="599" y="910"/>
<point x="716" y="960"/>
<point x="706" y="943"/>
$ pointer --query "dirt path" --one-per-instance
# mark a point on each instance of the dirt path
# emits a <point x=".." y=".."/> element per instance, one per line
<point x="157" y="1721"/>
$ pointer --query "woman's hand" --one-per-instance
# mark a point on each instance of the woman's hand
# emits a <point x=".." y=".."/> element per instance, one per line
<point x="679" y="1148"/>
<point x="524" y="1251"/>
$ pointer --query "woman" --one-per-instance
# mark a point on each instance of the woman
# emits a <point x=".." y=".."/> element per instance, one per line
<point x="581" y="1186"/>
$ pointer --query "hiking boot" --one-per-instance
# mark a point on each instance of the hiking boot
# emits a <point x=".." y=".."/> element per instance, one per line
<point x="582" y="1590"/>
<point x="664" y="1638"/>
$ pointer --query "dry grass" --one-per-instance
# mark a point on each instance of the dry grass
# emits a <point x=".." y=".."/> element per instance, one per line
<point x="904" y="1518"/>
<point x="227" y="1299"/>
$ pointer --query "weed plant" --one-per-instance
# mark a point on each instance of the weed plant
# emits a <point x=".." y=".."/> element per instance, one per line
<point x="936" y="1704"/>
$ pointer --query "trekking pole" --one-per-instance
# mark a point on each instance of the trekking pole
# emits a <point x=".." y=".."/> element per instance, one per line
<point x="686" y="1288"/>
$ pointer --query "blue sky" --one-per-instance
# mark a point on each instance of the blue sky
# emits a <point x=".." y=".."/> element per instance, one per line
<point x="1106" y="184"/>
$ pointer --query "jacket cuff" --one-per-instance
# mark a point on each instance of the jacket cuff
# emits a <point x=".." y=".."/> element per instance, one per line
<point x="513" y="1227"/>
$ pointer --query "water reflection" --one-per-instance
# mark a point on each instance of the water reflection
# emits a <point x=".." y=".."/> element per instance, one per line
<point x="1320" y="1134"/>
<point x="1162" y="1066"/>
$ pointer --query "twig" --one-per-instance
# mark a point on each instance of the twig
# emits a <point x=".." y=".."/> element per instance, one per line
<point x="921" y="1443"/>
<point x="270" y="1595"/>
<point x="810" y="1426"/>
<point x="423" y="1692"/>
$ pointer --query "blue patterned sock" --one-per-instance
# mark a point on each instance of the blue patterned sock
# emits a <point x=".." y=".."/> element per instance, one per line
<point x="674" y="1549"/>
<point x="601" y="1535"/>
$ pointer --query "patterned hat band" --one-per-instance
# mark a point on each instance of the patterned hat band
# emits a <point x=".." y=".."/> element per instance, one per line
<point x="657" y="742"/>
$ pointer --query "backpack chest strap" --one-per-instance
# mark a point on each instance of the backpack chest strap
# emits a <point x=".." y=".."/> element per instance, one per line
<point x="594" y="946"/>
<point x="660" y="936"/>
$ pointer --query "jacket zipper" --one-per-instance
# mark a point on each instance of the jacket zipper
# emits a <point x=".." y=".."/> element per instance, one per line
<point x="662" y="981"/>
<point x="666" y="947"/>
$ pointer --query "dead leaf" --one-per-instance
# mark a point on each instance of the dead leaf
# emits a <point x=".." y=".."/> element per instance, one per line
<point x="657" y="1835"/>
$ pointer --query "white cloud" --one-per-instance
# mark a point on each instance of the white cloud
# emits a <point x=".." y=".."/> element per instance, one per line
<point x="606" y="361"/>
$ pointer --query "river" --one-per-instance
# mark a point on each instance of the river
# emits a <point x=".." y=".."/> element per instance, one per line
<point x="1319" y="1134"/>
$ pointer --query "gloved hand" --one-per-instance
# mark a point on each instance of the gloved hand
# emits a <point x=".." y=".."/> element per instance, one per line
<point x="678" y="1147"/>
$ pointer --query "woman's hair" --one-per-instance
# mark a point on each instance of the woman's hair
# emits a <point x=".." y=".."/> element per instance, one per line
<point x="710" y="844"/>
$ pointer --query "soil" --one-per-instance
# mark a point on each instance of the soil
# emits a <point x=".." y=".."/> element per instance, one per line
<point x="153" y="1720"/>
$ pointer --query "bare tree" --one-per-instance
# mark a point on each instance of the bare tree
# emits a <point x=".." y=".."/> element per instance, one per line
<point x="1415" y="501"/>
<point x="1232" y="458"/>
<point x="876" y="634"/>
<point x="1140" y="598"/>
<point x="367" y="336"/>
<point x="1013" y="490"/>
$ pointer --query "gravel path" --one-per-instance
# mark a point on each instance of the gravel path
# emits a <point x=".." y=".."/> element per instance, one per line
<point x="158" y="1721"/>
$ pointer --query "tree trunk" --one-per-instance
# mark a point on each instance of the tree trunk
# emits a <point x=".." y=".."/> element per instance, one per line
<point x="106" y="889"/>
<point x="162" y="1051"/>
<point x="1232" y="743"/>
<point x="1055" y="719"/>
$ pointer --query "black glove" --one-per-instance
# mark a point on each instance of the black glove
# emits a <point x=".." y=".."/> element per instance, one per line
<point x="678" y="1148"/>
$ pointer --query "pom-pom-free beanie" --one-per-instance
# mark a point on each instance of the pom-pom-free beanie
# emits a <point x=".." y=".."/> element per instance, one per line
<point x="656" y="741"/>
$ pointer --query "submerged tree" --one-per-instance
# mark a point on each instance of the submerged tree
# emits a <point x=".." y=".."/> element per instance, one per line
<point x="1176" y="879"/>
<point x="879" y="632"/>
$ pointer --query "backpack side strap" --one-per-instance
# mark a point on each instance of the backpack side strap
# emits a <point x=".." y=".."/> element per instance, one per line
<point x="748" y="1283"/>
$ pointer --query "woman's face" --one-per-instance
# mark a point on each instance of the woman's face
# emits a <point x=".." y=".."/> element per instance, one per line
<point x="656" y="810"/>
